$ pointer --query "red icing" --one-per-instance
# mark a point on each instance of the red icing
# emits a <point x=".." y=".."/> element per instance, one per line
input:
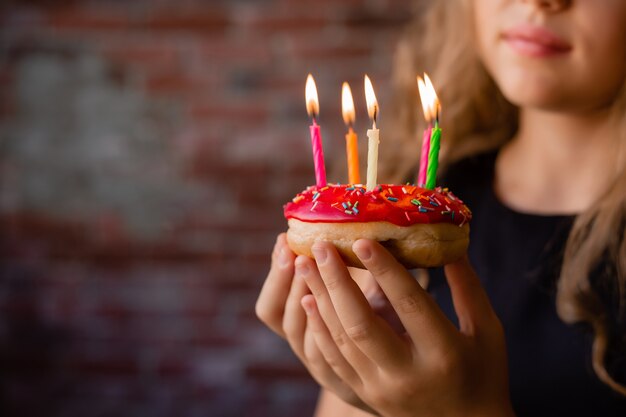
<point x="396" y="204"/>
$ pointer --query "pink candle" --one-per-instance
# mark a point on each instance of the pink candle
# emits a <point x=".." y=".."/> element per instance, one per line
<point x="318" y="154"/>
<point x="421" y="179"/>
<point x="424" y="94"/>
<point x="313" y="109"/>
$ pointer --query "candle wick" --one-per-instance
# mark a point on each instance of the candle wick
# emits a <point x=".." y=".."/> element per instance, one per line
<point x="314" y="118"/>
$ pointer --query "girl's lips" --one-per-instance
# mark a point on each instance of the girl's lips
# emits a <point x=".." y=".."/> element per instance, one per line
<point x="535" y="41"/>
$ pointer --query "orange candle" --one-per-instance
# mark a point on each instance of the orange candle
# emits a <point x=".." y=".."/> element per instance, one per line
<point x="352" y="148"/>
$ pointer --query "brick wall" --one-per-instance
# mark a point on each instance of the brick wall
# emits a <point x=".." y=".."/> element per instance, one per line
<point x="146" y="148"/>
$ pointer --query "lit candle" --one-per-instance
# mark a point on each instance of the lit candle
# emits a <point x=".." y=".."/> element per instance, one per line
<point x="352" y="150"/>
<point x="435" y="138"/>
<point x="313" y="109"/>
<point x="372" y="136"/>
<point x="423" y="92"/>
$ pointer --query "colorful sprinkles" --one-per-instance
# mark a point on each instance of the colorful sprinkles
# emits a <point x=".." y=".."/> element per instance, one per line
<point x="400" y="204"/>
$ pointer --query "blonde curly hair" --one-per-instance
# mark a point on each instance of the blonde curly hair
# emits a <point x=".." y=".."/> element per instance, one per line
<point x="436" y="43"/>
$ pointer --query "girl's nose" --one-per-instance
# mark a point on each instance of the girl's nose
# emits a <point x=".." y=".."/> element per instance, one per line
<point x="550" y="5"/>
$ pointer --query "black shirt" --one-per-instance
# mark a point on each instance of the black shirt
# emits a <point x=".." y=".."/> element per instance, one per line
<point x="518" y="258"/>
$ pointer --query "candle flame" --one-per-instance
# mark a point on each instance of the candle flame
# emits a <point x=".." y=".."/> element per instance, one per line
<point x="433" y="100"/>
<point x="370" y="98"/>
<point x="347" y="104"/>
<point x="424" y="98"/>
<point x="312" y="102"/>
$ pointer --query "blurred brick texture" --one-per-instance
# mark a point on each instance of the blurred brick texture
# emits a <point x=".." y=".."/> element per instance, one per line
<point x="146" y="149"/>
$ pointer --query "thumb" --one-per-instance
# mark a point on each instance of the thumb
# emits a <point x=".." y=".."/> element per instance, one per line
<point x="470" y="300"/>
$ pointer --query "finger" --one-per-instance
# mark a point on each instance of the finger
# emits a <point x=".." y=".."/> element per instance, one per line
<point x="315" y="362"/>
<point x="271" y="302"/>
<point x="471" y="303"/>
<point x="294" y="318"/>
<point x="371" y="334"/>
<point x="327" y="313"/>
<point x="325" y="346"/>
<point x="419" y="314"/>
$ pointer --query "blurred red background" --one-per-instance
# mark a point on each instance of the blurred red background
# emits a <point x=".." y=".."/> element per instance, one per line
<point x="146" y="150"/>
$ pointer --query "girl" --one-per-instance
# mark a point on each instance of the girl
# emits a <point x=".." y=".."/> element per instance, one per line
<point x="536" y="145"/>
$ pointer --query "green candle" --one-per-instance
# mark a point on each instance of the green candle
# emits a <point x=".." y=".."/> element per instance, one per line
<point x="433" y="157"/>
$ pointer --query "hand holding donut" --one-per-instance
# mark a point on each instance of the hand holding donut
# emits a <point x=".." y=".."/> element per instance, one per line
<point x="435" y="369"/>
<point x="279" y="307"/>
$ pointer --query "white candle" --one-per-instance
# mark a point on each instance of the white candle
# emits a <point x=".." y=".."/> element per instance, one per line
<point x="372" y="157"/>
<point x="372" y="135"/>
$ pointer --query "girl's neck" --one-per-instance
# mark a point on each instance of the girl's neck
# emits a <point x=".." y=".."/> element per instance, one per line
<point x="558" y="163"/>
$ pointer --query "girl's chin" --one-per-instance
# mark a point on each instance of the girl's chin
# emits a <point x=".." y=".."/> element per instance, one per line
<point x="532" y="87"/>
<point x="541" y="98"/>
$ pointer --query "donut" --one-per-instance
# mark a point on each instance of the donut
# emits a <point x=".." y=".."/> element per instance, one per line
<point x="422" y="228"/>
